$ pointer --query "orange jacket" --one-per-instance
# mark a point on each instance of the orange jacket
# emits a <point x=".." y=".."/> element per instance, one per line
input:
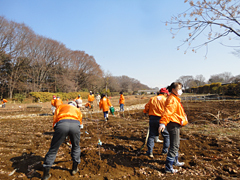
<point x="4" y="101"/>
<point x="88" y="105"/>
<point x="155" y="105"/>
<point x="104" y="103"/>
<point x="91" y="97"/>
<point x="66" y="111"/>
<point x="122" y="99"/>
<point x="57" y="102"/>
<point x="173" y="111"/>
<point x="52" y="102"/>
<point x="77" y="98"/>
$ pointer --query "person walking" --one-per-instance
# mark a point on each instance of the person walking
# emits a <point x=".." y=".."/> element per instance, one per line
<point x="67" y="121"/>
<point x="4" y="101"/>
<point x="155" y="108"/>
<point x="173" y="118"/>
<point x="121" y="101"/>
<point x="53" y="108"/>
<point x="104" y="105"/>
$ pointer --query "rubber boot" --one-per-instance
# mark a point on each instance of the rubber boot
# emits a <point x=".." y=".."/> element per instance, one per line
<point x="46" y="174"/>
<point x="177" y="163"/>
<point x="169" y="166"/>
<point x="74" y="168"/>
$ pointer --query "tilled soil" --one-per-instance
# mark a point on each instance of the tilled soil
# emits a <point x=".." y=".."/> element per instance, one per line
<point x="210" y="151"/>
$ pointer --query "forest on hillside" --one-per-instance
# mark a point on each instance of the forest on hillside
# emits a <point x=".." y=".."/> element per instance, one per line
<point x="32" y="63"/>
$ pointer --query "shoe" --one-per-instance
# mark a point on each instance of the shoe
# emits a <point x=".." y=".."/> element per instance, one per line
<point x="164" y="153"/>
<point x="150" y="155"/>
<point x="107" y="118"/>
<point x="46" y="174"/>
<point x="179" y="164"/>
<point x="157" y="140"/>
<point x="75" y="168"/>
<point x="172" y="171"/>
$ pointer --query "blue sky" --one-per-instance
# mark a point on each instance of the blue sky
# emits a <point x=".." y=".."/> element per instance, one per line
<point x="126" y="37"/>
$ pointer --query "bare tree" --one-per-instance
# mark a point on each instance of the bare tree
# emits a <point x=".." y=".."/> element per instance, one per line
<point x="216" y="18"/>
<point x="222" y="78"/>
<point x="200" y="80"/>
<point x="185" y="80"/>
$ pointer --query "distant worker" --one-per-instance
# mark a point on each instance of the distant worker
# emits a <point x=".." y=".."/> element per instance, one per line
<point x="67" y="121"/>
<point x="98" y="97"/>
<point x="154" y="108"/>
<point x="53" y="108"/>
<point x="4" y="101"/>
<point x="104" y="105"/>
<point x="58" y="102"/>
<point x="90" y="97"/>
<point x="121" y="101"/>
<point x="78" y="100"/>
<point x="173" y="118"/>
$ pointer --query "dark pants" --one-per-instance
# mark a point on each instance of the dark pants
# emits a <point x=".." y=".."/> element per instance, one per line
<point x="174" y="133"/>
<point x="63" y="129"/>
<point x="153" y="132"/>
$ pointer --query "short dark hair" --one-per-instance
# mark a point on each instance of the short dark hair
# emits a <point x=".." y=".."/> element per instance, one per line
<point x="174" y="85"/>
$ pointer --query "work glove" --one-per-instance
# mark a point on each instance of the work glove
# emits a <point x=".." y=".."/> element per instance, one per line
<point x="161" y="128"/>
<point x="81" y="126"/>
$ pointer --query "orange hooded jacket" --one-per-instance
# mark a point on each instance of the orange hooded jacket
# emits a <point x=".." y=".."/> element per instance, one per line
<point x="104" y="104"/>
<point x="155" y="105"/>
<point x="91" y="97"/>
<point x="122" y="99"/>
<point x="67" y="111"/>
<point x="173" y="111"/>
<point x="4" y="101"/>
<point x="57" y="102"/>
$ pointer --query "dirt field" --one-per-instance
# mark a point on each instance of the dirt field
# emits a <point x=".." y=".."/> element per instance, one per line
<point x="210" y="151"/>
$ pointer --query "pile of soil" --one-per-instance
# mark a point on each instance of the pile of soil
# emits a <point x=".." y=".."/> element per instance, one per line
<point x="207" y="155"/>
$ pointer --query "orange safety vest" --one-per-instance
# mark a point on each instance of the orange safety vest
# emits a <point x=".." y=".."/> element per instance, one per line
<point x="104" y="104"/>
<point x="155" y="105"/>
<point x="67" y="111"/>
<point x="57" y="102"/>
<point x="122" y="99"/>
<point x="173" y="111"/>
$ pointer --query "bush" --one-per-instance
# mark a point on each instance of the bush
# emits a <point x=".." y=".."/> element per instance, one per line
<point x="19" y="97"/>
<point x="46" y="96"/>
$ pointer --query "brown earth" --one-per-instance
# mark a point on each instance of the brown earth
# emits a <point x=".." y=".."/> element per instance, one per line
<point x="210" y="151"/>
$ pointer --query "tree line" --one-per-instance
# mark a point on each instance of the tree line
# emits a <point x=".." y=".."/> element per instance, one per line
<point x="33" y="63"/>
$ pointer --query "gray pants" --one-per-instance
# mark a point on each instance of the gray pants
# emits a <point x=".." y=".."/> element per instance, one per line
<point x="63" y="129"/>
<point x="174" y="134"/>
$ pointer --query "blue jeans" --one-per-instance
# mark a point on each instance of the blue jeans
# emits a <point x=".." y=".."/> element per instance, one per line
<point x="105" y="114"/>
<point x="121" y="107"/>
<point x="63" y="129"/>
<point x="166" y="141"/>
<point x="153" y="132"/>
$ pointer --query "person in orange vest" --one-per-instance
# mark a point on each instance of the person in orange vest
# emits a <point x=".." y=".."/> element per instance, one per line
<point x="78" y="100"/>
<point x="53" y="108"/>
<point x="67" y="121"/>
<point x="104" y="105"/>
<point x="58" y="102"/>
<point x="4" y="101"/>
<point x="121" y="101"/>
<point x="154" y="108"/>
<point x="91" y="98"/>
<point x="173" y="118"/>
